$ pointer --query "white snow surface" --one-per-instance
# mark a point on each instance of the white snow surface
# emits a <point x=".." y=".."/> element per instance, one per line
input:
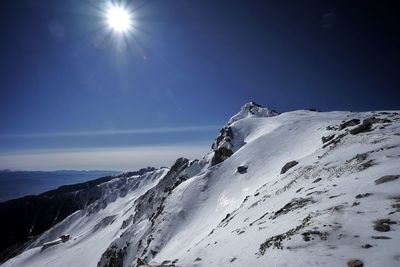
<point x="195" y="214"/>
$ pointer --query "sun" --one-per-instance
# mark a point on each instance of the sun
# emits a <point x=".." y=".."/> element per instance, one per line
<point x="119" y="18"/>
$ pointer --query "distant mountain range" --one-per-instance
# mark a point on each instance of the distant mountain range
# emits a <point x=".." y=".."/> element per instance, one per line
<point x="301" y="188"/>
<point x="16" y="184"/>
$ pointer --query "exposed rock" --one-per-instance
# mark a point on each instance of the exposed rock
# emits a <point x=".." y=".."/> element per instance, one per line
<point x="197" y="259"/>
<point x="355" y="263"/>
<point x="373" y="120"/>
<point x="242" y="169"/>
<point x="295" y="203"/>
<point x="327" y="138"/>
<point x="335" y="140"/>
<point x="352" y="122"/>
<point x="387" y="178"/>
<point x="363" y="195"/>
<point x="366" y="246"/>
<point x="317" y="180"/>
<point x="383" y="225"/>
<point x="361" y="128"/>
<point x="220" y="155"/>
<point x="252" y="109"/>
<point x="307" y="236"/>
<point x="276" y="241"/>
<point x="288" y="165"/>
<point x="380" y="237"/>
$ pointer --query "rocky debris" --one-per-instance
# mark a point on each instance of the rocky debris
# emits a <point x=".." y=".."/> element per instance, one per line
<point x="288" y="165"/>
<point x="197" y="259"/>
<point x="335" y="140"/>
<point x="366" y="165"/>
<point x="367" y="246"/>
<point x="373" y="120"/>
<point x="309" y="235"/>
<point x="295" y="203"/>
<point x="327" y="138"/>
<point x="114" y="256"/>
<point x="355" y="263"/>
<point x="386" y="178"/>
<point x="361" y="128"/>
<point x="348" y="123"/>
<point x="367" y="125"/>
<point x="276" y="241"/>
<point x="242" y="169"/>
<point x="363" y="195"/>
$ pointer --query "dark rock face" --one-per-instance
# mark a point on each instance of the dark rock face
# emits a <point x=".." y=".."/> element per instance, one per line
<point x="288" y="165"/>
<point x="352" y="122"/>
<point x="224" y="134"/>
<point x="242" y="169"/>
<point x="386" y="178"/>
<point x="355" y="263"/>
<point x="220" y="155"/>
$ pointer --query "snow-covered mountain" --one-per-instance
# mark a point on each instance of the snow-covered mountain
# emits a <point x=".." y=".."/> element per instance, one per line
<point x="300" y="188"/>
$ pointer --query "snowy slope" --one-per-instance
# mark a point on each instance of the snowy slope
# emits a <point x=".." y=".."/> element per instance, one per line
<point x="336" y="202"/>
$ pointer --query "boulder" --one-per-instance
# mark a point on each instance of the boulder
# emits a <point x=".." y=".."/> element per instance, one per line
<point x="288" y="165"/>
<point x="386" y="178"/>
<point x="365" y="126"/>
<point x="242" y="169"/>
<point x="355" y="263"/>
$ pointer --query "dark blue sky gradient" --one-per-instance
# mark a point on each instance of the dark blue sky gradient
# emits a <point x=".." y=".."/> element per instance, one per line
<point x="188" y="63"/>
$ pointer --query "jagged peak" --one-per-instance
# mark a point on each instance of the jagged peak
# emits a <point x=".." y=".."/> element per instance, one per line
<point x="252" y="109"/>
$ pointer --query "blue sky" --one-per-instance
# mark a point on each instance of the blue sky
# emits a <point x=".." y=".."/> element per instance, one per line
<point x="67" y="84"/>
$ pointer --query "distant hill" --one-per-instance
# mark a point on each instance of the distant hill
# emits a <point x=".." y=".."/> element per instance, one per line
<point x="16" y="184"/>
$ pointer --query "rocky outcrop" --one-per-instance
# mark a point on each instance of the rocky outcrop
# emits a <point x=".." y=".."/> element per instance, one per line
<point x="386" y="178"/>
<point x="288" y="165"/>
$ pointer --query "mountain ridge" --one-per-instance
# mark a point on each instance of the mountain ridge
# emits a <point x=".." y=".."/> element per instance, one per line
<point x="303" y="187"/>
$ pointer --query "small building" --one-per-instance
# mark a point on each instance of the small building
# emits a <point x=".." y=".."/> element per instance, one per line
<point x="65" y="238"/>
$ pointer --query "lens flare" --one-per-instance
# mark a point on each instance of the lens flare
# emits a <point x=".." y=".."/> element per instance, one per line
<point x="119" y="19"/>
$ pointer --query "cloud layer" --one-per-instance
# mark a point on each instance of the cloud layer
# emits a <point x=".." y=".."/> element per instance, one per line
<point x="131" y="158"/>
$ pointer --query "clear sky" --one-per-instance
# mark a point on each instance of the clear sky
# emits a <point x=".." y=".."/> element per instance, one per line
<point x="75" y="95"/>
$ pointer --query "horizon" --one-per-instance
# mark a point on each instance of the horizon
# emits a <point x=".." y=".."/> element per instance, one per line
<point x="81" y="90"/>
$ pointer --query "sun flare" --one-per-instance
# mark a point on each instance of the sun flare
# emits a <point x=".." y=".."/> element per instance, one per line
<point x="119" y="19"/>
